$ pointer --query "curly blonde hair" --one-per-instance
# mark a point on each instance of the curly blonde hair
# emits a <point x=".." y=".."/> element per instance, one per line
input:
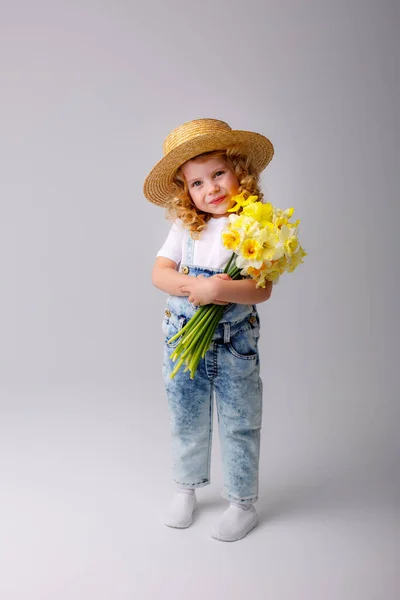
<point x="181" y="206"/>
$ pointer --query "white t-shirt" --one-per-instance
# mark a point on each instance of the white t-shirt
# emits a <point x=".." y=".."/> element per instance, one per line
<point x="208" y="249"/>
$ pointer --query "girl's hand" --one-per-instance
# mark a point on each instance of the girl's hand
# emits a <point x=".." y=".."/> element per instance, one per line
<point x="223" y="276"/>
<point x="203" y="290"/>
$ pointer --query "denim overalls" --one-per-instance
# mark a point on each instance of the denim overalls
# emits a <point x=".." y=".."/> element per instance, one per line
<point x="231" y="369"/>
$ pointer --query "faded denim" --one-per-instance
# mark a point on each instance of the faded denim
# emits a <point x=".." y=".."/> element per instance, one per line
<point x="231" y="370"/>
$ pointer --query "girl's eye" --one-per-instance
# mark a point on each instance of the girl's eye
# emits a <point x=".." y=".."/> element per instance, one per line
<point x="218" y="173"/>
<point x="196" y="183"/>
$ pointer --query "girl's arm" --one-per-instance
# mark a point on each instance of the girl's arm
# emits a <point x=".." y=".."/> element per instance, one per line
<point x="217" y="289"/>
<point x="166" y="278"/>
<point x="242" y="291"/>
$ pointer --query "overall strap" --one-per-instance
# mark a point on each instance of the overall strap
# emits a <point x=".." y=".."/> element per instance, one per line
<point x="189" y="248"/>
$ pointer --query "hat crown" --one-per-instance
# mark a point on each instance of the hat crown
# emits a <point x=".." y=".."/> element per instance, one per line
<point x="193" y="129"/>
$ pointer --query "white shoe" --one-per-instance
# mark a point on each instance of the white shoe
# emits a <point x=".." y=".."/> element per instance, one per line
<point x="235" y="524"/>
<point x="180" y="513"/>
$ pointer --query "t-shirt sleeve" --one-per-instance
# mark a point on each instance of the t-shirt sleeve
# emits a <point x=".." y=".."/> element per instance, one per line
<point x="172" y="247"/>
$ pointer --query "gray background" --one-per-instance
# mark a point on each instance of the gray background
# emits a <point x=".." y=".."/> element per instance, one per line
<point x="88" y="91"/>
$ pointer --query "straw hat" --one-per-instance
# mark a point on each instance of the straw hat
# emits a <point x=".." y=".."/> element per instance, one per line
<point x="194" y="138"/>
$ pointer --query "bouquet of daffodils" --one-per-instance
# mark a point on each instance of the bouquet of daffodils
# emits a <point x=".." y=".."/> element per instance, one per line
<point x="265" y="245"/>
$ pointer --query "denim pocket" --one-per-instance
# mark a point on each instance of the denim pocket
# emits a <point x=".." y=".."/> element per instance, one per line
<point x="243" y="344"/>
<point x="171" y="327"/>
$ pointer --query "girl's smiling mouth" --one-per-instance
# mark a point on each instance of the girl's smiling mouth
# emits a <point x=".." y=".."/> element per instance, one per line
<point x="218" y="200"/>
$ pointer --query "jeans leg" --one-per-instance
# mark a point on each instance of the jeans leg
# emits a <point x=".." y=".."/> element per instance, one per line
<point x="239" y="403"/>
<point x="191" y="411"/>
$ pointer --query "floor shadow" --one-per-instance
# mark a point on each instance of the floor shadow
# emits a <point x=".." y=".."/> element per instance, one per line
<point x="319" y="493"/>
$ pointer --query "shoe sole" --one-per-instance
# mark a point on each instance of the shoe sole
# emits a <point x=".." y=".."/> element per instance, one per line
<point x="251" y="526"/>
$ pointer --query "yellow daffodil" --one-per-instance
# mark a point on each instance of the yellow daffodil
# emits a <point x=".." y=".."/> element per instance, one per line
<point x="261" y="280"/>
<point x="232" y="238"/>
<point x="245" y="264"/>
<point x="281" y="217"/>
<point x="255" y="273"/>
<point x="251" y="249"/>
<point x="249" y="254"/>
<point x="241" y="201"/>
<point x="260" y="212"/>
<point x="273" y="275"/>
<point x="269" y="239"/>
<point x="249" y="226"/>
<point x="296" y="259"/>
<point x="288" y="240"/>
<point x="281" y="264"/>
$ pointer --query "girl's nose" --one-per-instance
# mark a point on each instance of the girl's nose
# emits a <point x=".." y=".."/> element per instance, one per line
<point x="213" y="188"/>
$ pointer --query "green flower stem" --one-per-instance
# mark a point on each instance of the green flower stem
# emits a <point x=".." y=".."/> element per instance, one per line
<point x="188" y="344"/>
<point x="192" y="331"/>
<point x="228" y="266"/>
<point x="191" y="362"/>
<point x="197" y="334"/>
<point x="205" y="342"/>
<point x="179" y="363"/>
<point x="197" y="350"/>
<point x="211" y="331"/>
<point x="194" y="350"/>
<point x="196" y="331"/>
<point x="235" y="274"/>
<point x="191" y="322"/>
<point x="204" y="345"/>
<point x="191" y="336"/>
<point x="195" y="360"/>
<point x="176" y="352"/>
<point x="208" y="331"/>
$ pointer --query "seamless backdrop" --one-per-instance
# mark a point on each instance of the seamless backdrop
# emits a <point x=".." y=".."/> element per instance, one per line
<point x="88" y="92"/>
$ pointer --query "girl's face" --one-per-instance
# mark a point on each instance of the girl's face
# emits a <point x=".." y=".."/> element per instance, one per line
<point x="211" y="183"/>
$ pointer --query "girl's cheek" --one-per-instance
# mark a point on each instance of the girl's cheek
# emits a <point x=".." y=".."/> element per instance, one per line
<point x="233" y="181"/>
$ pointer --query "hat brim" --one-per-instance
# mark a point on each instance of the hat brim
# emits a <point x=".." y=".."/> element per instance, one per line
<point x="159" y="186"/>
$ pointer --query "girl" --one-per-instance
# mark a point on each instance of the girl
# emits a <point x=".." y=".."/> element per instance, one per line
<point x="205" y="164"/>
